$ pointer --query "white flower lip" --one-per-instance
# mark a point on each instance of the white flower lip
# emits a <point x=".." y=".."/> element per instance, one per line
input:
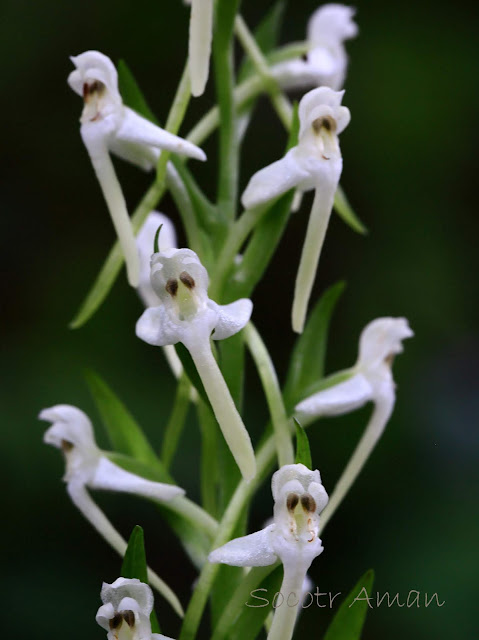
<point x="187" y="315"/>
<point x="107" y="126"/>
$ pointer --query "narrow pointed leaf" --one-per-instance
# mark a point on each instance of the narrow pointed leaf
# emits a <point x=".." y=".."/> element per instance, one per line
<point x="307" y="360"/>
<point x="124" y="432"/>
<point x="251" y="620"/>
<point x="134" y="565"/>
<point x="196" y="542"/>
<point x="303" y="451"/>
<point x="131" y="93"/>
<point x="266" y="35"/>
<point x="346" y="212"/>
<point x="134" y="561"/>
<point x="191" y="372"/>
<point x="348" y="622"/>
<point x="265" y="238"/>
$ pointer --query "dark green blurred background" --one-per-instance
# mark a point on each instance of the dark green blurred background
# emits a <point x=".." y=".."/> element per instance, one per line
<point x="410" y="170"/>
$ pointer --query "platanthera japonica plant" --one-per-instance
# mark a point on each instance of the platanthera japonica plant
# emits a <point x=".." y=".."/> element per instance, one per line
<point x="199" y="308"/>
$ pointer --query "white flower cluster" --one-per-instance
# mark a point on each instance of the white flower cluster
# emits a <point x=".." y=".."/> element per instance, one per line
<point x="174" y="285"/>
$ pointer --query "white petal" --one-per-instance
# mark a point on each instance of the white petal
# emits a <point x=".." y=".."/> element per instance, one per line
<point x="128" y="588"/>
<point x="231" y="317"/>
<point x="273" y="180"/>
<point x="342" y="398"/>
<point x="382" y="338"/>
<point x="332" y="23"/>
<point x="254" y="550"/>
<point x="144" y="242"/>
<point x="201" y="32"/>
<point x="156" y="327"/>
<point x="283" y="480"/>
<point x="104" y="614"/>
<point x="93" y="65"/>
<point x="141" y="155"/>
<point x="134" y="128"/>
<point x="111" y="477"/>
<point x="70" y="424"/>
<point x="296" y="74"/>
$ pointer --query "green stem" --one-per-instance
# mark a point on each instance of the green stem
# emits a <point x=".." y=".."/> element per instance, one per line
<point x="269" y="380"/>
<point x="243" y="93"/>
<point x="279" y="100"/>
<point x="176" y="422"/>
<point x="237" y="235"/>
<point x="182" y="200"/>
<point x="240" y="596"/>
<point x="226" y="527"/>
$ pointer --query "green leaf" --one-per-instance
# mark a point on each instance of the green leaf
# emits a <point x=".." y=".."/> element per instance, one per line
<point x="100" y="289"/>
<point x="303" y="451"/>
<point x="196" y="542"/>
<point x="348" y="622"/>
<point x="265" y="238"/>
<point x="134" y="562"/>
<point x="134" y="565"/>
<point x="345" y="211"/>
<point x="252" y="618"/>
<point x="131" y="93"/>
<point x="124" y="432"/>
<point x="266" y="35"/>
<point x="307" y="360"/>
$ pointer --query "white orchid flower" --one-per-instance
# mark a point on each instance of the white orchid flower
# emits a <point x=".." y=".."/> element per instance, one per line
<point x="199" y="44"/>
<point x="87" y="467"/>
<point x="125" y="612"/>
<point x="370" y="380"/>
<point x="167" y="240"/>
<point x="315" y="163"/>
<point x="108" y="126"/>
<point x="326" y="61"/>
<point x="299" y="497"/>
<point x="187" y="315"/>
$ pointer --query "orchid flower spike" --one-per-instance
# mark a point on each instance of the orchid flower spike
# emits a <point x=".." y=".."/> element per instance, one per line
<point x="88" y="467"/>
<point x="326" y="61"/>
<point x="108" y="126"/>
<point x="370" y="380"/>
<point x="187" y="315"/>
<point x="125" y="612"/>
<point x="315" y="163"/>
<point x="199" y="45"/>
<point x="299" y="497"/>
